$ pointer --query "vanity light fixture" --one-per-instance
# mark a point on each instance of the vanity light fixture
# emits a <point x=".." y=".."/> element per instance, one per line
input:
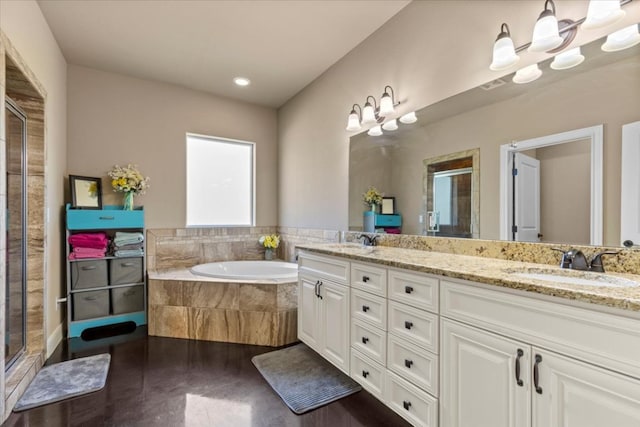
<point x="353" y="123"/>
<point x="567" y="59"/>
<point x="386" y="102"/>
<point x="546" y="34"/>
<point x="409" y="118"/>
<point x="241" y="81"/>
<point x="375" y="131"/>
<point x="622" y="39"/>
<point x="369" y="112"/>
<point x="527" y="74"/>
<point x="602" y="13"/>
<point x="504" y="52"/>
<point x="390" y="125"/>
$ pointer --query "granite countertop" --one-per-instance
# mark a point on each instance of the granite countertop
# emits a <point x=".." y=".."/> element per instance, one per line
<point x="625" y="294"/>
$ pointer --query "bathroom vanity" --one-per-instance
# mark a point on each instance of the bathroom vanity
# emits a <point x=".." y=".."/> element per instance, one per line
<point x="455" y="341"/>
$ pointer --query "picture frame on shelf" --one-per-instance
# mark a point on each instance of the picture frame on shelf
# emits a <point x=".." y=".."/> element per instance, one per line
<point x="388" y="206"/>
<point x="86" y="192"/>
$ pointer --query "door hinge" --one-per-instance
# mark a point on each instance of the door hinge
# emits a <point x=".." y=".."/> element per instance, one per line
<point x="514" y="229"/>
<point x="514" y="172"/>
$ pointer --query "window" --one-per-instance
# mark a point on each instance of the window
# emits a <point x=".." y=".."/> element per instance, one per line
<point x="220" y="181"/>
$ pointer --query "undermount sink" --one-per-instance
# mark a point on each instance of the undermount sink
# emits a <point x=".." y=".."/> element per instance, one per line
<point x="577" y="278"/>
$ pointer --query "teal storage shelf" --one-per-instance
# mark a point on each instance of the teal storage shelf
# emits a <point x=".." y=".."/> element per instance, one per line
<point x="388" y="220"/>
<point x="76" y="327"/>
<point x="111" y="216"/>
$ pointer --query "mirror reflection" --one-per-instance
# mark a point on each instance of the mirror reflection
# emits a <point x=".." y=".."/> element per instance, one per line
<point x="602" y="90"/>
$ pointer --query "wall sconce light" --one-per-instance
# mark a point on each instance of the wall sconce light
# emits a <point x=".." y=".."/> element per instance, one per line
<point x="370" y="114"/>
<point x="353" y="123"/>
<point x="386" y="102"/>
<point x="409" y="118"/>
<point x="390" y="125"/>
<point x="551" y="36"/>
<point x="375" y="131"/>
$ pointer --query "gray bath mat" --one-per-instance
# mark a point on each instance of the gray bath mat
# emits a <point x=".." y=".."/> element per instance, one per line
<point x="65" y="380"/>
<point x="303" y="379"/>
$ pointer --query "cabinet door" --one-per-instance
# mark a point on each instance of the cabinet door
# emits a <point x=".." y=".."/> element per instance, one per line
<point x="334" y="324"/>
<point x="576" y="394"/>
<point x="308" y="313"/>
<point x="479" y="387"/>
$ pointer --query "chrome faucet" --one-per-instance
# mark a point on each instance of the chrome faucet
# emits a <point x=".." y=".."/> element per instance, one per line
<point x="368" y="240"/>
<point x="576" y="260"/>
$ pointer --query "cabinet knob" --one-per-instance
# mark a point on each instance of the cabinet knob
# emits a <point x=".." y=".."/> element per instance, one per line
<point x="406" y="404"/>
<point x="365" y="374"/>
<point x="365" y="340"/>
<point x="365" y="279"/>
<point x="408" y="325"/>
<point x="408" y="289"/>
<point x="408" y="363"/>
<point x="365" y="308"/>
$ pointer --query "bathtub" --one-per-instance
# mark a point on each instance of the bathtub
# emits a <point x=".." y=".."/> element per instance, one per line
<point x="249" y="270"/>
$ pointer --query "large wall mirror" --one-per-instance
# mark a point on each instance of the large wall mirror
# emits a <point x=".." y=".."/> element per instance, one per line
<point x="603" y="90"/>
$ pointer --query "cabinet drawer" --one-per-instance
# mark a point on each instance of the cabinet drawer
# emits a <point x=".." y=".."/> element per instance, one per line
<point x="369" y="308"/>
<point x="128" y="299"/>
<point x="414" y="289"/>
<point x="110" y="217"/>
<point x="125" y="270"/>
<point x="325" y="267"/>
<point x="417" y="326"/>
<point x="413" y="363"/>
<point x="370" y="341"/>
<point x="369" y="278"/>
<point x="411" y="403"/>
<point x="369" y="374"/>
<point x="90" y="304"/>
<point x="89" y="274"/>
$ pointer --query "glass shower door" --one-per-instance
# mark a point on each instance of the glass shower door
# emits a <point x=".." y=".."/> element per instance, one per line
<point x="16" y="238"/>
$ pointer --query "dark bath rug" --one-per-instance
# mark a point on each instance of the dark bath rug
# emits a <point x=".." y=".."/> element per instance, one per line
<point x="65" y="380"/>
<point x="303" y="379"/>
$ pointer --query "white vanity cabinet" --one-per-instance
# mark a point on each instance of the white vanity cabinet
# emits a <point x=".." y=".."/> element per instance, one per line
<point x="527" y="362"/>
<point x="323" y="307"/>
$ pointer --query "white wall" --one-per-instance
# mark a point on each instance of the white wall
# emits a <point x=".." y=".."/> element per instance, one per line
<point x="116" y="119"/>
<point x="429" y="51"/>
<point x="26" y="28"/>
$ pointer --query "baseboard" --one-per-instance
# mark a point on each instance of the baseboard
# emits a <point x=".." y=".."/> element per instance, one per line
<point x="53" y="340"/>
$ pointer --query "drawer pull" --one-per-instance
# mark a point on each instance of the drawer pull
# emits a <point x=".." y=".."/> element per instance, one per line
<point x="536" y="374"/>
<point x="89" y="298"/>
<point x="108" y="217"/>
<point x="127" y="264"/>
<point x="406" y="404"/>
<point x="408" y="363"/>
<point x="365" y="374"/>
<point x="365" y="308"/>
<point x="518" y="379"/>
<point x="365" y="340"/>
<point x="365" y="279"/>
<point x="408" y="289"/>
<point x="88" y="267"/>
<point x="408" y="325"/>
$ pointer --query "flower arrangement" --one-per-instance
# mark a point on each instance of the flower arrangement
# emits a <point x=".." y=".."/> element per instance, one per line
<point x="372" y="197"/>
<point x="128" y="179"/>
<point x="270" y="241"/>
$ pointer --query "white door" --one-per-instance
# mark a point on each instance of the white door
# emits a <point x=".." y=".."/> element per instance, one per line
<point x="630" y="186"/>
<point x="576" y="394"/>
<point x="308" y="312"/>
<point x="334" y="324"/>
<point x="478" y="383"/>
<point x="527" y="198"/>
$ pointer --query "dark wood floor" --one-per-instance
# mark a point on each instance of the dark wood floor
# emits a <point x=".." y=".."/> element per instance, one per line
<point x="172" y="382"/>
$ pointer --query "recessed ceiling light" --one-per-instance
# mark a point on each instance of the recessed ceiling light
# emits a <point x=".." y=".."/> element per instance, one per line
<point x="241" y="81"/>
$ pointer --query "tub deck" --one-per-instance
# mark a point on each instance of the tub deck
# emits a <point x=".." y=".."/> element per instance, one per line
<point x="185" y="305"/>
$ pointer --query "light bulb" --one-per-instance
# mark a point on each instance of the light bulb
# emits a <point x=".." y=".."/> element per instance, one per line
<point x="546" y="35"/>
<point x="567" y="59"/>
<point x="368" y="114"/>
<point x="602" y="13"/>
<point x="622" y="39"/>
<point x="390" y="125"/>
<point x="409" y="118"/>
<point x="527" y="74"/>
<point x="504" y="53"/>
<point x="375" y="131"/>
<point x="386" y="105"/>
<point x="354" y="122"/>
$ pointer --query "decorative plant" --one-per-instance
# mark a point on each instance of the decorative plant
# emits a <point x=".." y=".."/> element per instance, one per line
<point x="372" y="197"/>
<point x="128" y="179"/>
<point x="270" y="241"/>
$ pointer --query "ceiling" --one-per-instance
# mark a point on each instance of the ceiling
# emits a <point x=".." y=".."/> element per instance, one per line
<point x="280" y="45"/>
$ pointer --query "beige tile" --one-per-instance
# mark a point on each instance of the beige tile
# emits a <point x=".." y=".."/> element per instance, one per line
<point x="285" y="327"/>
<point x="258" y="297"/>
<point x="167" y="321"/>
<point x="256" y="327"/>
<point x="211" y="324"/>
<point x="287" y="298"/>
<point x="210" y="294"/>
<point x="150" y="244"/>
<point x="177" y="254"/>
<point x="165" y="292"/>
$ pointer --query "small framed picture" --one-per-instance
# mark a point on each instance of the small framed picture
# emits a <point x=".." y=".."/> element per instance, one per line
<point x="388" y="206"/>
<point x="86" y="192"/>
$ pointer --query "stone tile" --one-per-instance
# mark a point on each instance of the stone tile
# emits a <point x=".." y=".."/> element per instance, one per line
<point x="256" y="327"/>
<point x="167" y="321"/>
<point x="151" y="263"/>
<point x="222" y="251"/>
<point x="165" y="292"/>
<point x="150" y="244"/>
<point x="258" y="297"/>
<point x="211" y="324"/>
<point x="285" y="327"/>
<point x="210" y="294"/>
<point x="177" y="254"/>
<point x="287" y="298"/>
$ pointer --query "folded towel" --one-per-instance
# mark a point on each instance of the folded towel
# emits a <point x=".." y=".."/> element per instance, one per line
<point x="129" y="253"/>
<point x="83" y="255"/>
<point x="91" y="251"/>
<point x="128" y="247"/>
<point x="89" y="240"/>
<point x="123" y="238"/>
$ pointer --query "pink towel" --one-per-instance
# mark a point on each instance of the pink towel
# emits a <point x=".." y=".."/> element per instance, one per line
<point x="90" y="251"/>
<point x="82" y="255"/>
<point x="89" y="240"/>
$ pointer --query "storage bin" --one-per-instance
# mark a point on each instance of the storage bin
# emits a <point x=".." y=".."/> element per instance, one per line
<point x="89" y="274"/>
<point x="127" y="299"/>
<point x="109" y="217"/>
<point x="125" y="270"/>
<point x="90" y="304"/>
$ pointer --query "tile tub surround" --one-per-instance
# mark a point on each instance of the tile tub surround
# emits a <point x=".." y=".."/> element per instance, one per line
<point x="183" y="305"/>
<point x="491" y="272"/>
